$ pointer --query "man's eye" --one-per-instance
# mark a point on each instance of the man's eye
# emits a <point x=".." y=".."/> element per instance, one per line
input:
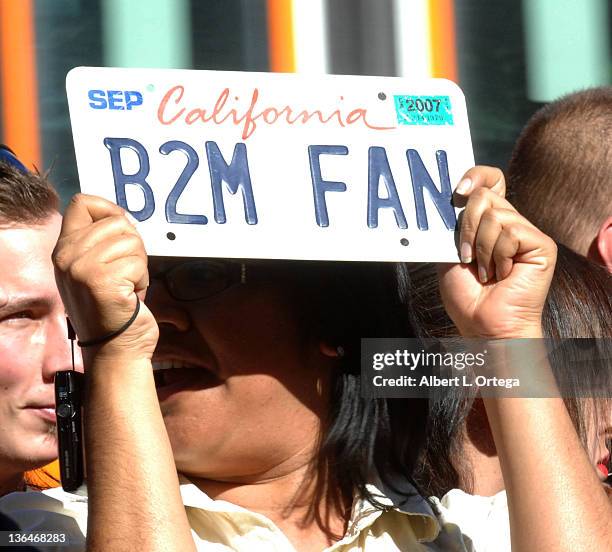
<point x="23" y="314"/>
<point x="17" y="316"/>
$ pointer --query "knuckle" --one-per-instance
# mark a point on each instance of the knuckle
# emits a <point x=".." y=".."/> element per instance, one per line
<point x="480" y="194"/>
<point x="77" y="199"/>
<point x="482" y="250"/>
<point x="77" y="202"/>
<point x="134" y="241"/>
<point x="121" y="224"/>
<point x="514" y="232"/>
<point x="550" y="246"/>
<point x="140" y="265"/>
<point x="78" y="270"/>
<point x="553" y="246"/>
<point x="60" y="257"/>
<point x="468" y="229"/>
<point x="491" y="215"/>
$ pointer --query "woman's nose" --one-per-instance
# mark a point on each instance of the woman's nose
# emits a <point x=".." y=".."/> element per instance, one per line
<point x="167" y="310"/>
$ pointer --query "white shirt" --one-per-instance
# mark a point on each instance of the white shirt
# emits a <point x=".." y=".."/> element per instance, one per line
<point x="483" y="519"/>
<point x="216" y="525"/>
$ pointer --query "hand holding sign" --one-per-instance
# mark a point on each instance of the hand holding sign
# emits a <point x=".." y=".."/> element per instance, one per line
<point x="508" y="305"/>
<point x="101" y="266"/>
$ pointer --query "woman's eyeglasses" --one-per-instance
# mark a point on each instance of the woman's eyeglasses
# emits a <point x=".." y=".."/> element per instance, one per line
<point x="200" y="278"/>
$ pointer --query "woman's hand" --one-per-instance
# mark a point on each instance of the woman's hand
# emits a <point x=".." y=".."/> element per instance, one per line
<point x="482" y="176"/>
<point x="500" y="289"/>
<point x="101" y="265"/>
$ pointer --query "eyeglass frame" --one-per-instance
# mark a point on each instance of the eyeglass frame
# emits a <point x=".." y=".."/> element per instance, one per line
<point x="237" y="276"/>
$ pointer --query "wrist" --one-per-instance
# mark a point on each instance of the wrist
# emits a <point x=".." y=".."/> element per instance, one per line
<point x="527" y="331"/>
<point x="110" y="361"/>
<point x="121" y="349"/>
<point x="523" y="333"/>
<point x="120" y="382"/>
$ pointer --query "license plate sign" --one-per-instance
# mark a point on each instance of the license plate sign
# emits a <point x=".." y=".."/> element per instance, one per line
<point x="264" y="165"/>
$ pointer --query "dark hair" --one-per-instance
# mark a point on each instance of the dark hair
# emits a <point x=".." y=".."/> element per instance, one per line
<point x="560" y="173"/>
<point x="579" y="301"/>
<point x="578" y="306"/>
<point x="342" y="303"/>
<point x="25" y="197"/>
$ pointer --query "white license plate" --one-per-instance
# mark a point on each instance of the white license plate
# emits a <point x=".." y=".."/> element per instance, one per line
<point x="279" y="166"/>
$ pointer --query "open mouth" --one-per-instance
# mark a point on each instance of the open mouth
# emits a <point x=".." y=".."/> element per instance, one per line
<point x="173" y="375"/>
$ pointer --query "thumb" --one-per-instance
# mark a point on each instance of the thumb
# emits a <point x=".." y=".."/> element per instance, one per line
<point x="454" y="274"/>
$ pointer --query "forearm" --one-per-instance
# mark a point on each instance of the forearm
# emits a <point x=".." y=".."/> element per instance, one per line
<point x="134" y="498"/>
<point x="555" y="499"/>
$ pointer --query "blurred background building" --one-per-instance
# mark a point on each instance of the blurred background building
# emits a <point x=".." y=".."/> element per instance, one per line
<point x="509" y="56"/>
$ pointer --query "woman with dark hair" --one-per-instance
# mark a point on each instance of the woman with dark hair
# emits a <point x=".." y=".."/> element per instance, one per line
<point x="460" y="457"/>
<point x="257" y="373"/>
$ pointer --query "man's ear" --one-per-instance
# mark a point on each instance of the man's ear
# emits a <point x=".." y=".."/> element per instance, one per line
<point x="603" y="244"/>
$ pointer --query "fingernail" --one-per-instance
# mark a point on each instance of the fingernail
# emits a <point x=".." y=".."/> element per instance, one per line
<point x="464" y="186"/>
<point x="466" y="253"/>
<point x="482" y="274"/>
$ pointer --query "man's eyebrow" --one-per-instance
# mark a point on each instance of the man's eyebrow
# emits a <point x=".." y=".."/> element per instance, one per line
<point x="16" y="304"/>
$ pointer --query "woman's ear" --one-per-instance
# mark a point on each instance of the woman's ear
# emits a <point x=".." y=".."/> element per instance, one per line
<point x="331" y="351"/>
<point x="604" y="243"/>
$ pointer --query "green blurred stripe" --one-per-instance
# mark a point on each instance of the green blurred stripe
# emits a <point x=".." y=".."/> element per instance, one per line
<point x="567" y="46"/>
<point x="146" y="33"/>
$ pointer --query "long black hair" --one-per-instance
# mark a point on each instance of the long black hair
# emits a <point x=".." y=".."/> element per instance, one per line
<point x="341" y="303"/>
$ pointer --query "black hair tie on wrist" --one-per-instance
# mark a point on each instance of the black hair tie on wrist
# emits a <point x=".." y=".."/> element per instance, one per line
<point x="111" y="335"/>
